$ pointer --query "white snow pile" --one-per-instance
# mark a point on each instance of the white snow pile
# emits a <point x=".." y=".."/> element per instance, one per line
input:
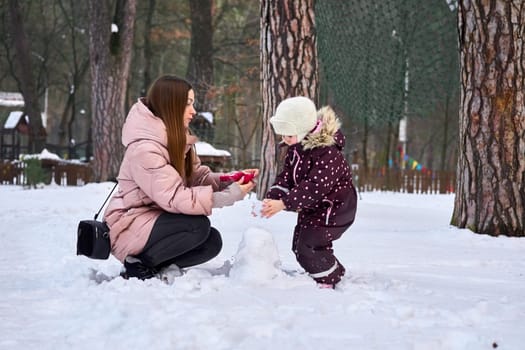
<point x="257" y="259"/>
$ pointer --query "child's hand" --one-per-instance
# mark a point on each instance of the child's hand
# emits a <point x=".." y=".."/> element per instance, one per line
<point x="270" y="207"/>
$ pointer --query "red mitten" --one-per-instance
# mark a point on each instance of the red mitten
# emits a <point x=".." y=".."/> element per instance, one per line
<point x="231" y="177"/>
<point x="247" y="177"/>
<point x="236" y="176"/>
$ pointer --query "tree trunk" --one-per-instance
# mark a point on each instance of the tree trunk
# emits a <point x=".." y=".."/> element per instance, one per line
<point x="110" y="57"/>
<point x="200" y="65"/>
<point x="69" y="112"/>
<point x="25" y="79"/>
<point x="289" y="67"/>
<point x="148" y="51"/>
<point x="490" y="187"/>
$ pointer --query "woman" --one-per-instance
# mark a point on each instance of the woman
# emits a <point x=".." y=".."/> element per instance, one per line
<point x="158" y="217"/>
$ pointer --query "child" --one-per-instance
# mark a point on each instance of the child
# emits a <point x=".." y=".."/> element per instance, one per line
<point x="316" y="182"/>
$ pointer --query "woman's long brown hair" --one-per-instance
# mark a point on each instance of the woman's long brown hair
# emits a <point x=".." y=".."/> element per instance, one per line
<point x="167" y="99"/>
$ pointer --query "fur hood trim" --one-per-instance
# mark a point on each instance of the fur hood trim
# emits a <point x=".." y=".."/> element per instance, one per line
<point x="325" y="136"/>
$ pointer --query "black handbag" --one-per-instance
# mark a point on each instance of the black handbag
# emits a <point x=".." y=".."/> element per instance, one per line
<point x="93" y="236"/>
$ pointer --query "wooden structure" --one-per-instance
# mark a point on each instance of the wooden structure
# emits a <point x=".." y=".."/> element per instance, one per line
<point x="14" y="136"/>
<point x="11" y="173"/>
<point x="408" y="181"/>
<point x="60" y="172"/>
<point x="74" y="173"/>
<point x="68" y="173"/>
<point x="13" y="126"/>
<point x="216" y="159"/>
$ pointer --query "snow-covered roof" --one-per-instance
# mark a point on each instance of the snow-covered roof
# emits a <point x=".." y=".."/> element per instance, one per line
<point x="205" y="149"/>
<point x="208" y="116"/>
<point x="13" y="119"/>
<point x="11" y="99"/>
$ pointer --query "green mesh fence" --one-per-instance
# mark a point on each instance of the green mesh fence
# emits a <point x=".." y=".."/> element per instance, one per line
<point x="383" y="59"/>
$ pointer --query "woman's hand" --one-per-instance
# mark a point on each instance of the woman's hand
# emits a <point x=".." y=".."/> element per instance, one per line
<point x="246" y="187"/>
<point x="270" y="207"/>
<point x="236" y="191"/>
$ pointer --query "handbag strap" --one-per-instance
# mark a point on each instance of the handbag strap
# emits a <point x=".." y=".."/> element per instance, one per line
<point x="103" y="204"/>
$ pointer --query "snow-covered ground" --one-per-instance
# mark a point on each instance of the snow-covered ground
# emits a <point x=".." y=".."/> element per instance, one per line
<point x="413" y="282"/>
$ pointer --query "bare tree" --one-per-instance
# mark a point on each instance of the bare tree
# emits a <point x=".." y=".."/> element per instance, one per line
<point x="110" y="47"/>
<point x="200" y="65"/>
<point x="148" y="51"/>
<point x="78" y="69"/>
<point x="289" y="67"/>
<point x="490" y="195"/>
<point x="25" y="78"/>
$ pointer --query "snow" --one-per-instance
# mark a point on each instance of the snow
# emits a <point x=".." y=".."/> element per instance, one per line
<point x="11" y="99"/>
<point x="45" y="154"/>
<point x="208" y="116"/>
<point x="205" y="149"/>
<point x="12" y="119"/>
<point x="413" y="282"/>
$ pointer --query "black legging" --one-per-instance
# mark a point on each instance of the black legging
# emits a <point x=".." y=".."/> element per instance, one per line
<point x="183" y="240"/>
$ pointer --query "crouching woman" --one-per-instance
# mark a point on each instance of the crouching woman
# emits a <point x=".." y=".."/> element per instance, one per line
<point x="159" y="215"/>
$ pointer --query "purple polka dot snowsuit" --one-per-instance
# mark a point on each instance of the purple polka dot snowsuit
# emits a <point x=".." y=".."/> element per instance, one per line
<point x="316" y="182"/>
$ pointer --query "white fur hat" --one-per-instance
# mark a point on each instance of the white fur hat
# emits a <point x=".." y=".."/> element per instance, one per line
<point x="294" y="116"/>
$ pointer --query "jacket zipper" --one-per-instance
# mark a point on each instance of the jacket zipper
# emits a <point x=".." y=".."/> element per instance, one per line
<point x="295" y="156"/>
<point x="328" y="210"/>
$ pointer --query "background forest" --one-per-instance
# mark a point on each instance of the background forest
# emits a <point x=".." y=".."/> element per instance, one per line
<point x="381" y="63"/>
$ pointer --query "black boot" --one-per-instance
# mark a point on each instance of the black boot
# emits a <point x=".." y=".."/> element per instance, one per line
<point x="135" y="268"/>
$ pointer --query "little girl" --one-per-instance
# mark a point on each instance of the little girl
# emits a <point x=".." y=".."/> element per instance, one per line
<point x="316" y="182"/>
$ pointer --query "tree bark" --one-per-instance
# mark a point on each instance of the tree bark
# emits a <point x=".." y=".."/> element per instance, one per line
<point x="110" y="57"/>
<point x="25" y="78"/>
<point x="289" y="67"/>
<point x="490" y="187"/>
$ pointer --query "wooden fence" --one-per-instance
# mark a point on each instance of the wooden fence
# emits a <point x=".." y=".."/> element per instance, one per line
<point x="11" y="173"/>
<point x="409" y="181"/>
<point x="61" y="172"/>
<point x="396" y="180"/>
